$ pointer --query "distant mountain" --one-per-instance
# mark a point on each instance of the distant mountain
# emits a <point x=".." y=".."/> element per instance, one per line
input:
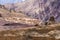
<point x="39" y="9"/>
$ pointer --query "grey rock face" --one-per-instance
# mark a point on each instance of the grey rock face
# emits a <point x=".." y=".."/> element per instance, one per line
<point x="49" y="8"/>
<point x="43" y="9"/>
<point x="40" y="9"/>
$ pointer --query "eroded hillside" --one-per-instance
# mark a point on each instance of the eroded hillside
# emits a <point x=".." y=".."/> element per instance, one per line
<point x="30" y="20"/>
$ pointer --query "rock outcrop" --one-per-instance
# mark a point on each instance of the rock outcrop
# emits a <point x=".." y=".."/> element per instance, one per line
<point x="40" y="9"/>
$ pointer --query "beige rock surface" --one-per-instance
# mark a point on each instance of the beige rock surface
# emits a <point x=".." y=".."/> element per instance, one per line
<point x="15" y="26"/>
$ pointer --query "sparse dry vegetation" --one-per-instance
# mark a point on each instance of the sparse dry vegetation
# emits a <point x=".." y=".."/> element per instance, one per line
<point x="34" y="33"/>
<point x="15" y="25"/>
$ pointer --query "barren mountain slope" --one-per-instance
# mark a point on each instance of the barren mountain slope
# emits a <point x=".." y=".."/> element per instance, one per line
<point x="39" y="9"/>
<point x="17" y="17"/>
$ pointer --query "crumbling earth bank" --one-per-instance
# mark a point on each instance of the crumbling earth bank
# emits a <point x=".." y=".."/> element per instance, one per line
<point x="33" y="33"/>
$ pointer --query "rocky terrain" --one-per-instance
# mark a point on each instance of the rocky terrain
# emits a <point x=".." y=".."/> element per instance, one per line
<point x="30" y="20"/>
<point x="38" y="9"/>
<point x="49" y="32"/>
